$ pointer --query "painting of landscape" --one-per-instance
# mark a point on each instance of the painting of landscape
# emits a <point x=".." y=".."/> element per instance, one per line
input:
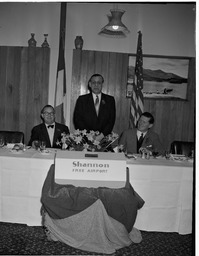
<point x="164" y="77"/>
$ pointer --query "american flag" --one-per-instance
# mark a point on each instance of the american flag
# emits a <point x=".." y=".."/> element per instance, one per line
<point x="60" y="87"/>
<point x="137" y="102"/>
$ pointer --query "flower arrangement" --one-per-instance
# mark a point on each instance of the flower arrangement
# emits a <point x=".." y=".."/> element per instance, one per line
<point x="86" y="141"/>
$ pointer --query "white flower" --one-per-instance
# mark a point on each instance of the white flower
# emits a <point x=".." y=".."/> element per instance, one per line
<point x="85" y="141"/>
<point x="78" y="139"/>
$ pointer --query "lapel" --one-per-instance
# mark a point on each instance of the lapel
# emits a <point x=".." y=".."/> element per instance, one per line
<point x="131" y="142"/>
<point x="45" y="133"/>
<point x="57" y="132"/>
<point x="102" y="105"/>
<point x="91" y="104"/>
<point x="146" y="138"/>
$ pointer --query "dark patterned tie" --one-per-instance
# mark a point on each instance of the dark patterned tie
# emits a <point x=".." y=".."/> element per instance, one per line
<point x="139" y="143"/>
<point x="97" y="104"/>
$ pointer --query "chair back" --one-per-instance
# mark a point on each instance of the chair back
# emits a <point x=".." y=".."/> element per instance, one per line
<point x="12" y="136"/>
<point x="182" y="147"/>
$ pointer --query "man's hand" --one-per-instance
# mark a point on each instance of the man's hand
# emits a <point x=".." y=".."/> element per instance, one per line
<point x="145" y="150"/>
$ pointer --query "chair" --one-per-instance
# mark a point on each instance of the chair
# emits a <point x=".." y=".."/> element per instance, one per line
<point x="182" y="147"/>
<point x="12" y="136"/>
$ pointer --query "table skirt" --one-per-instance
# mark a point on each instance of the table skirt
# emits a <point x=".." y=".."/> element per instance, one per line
<point x="93" y="219"/>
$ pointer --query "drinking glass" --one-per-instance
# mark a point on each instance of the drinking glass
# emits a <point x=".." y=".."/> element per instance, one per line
<point x="36" y="144"/>
<point x="1" y="142"/>
<point x="167" y="155"/>
<point x="43" y="145"/>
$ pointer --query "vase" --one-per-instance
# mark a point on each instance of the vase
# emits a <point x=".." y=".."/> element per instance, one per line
<point x="79" y="42"/>
<point x="45" y="44"/>
<point x="32" y="42"/>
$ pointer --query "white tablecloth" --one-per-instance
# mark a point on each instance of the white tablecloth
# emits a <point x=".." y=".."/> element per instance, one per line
<point x="21" y="179"/>
<point x="166" y="186"/>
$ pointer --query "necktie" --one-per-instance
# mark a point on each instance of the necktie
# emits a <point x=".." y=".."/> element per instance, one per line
<point x="141" y="138"/>
<point x="97" y="104"/>
<point x="51" y="126"/>
<point x="139" y="143"/>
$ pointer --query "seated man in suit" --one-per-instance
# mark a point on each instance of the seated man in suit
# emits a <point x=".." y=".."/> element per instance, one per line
<point x="96" y="110"/>
<point x="142" y="137"/>
<point x="48" y="131"/>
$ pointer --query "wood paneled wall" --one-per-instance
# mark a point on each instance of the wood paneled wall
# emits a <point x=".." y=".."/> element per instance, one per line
<point x="24" y="77"/>
<point x="113" y="67"/>
<point x="174" y="119"/>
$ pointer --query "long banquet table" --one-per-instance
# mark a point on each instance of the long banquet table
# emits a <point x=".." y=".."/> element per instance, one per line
<point x="21" y="179"/>
<point x="166" y="187"/>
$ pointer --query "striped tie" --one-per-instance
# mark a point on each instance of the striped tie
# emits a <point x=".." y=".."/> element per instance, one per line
<point x="97" y="104"/>
<point x="139" y="142"/>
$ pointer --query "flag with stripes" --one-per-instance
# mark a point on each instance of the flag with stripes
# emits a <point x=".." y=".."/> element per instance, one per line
<point x="137" y="102"/>
<point x="60" y="87"/>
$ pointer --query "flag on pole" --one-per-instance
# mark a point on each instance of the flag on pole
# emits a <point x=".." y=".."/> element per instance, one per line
<point x="60" y="87"/>
<point x="137" y="102"/>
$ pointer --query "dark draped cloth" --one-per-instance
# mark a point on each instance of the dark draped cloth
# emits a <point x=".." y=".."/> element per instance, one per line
<point x="63" y="202"/>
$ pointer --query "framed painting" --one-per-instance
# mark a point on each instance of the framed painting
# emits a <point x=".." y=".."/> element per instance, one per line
<point x="163" y="77"/>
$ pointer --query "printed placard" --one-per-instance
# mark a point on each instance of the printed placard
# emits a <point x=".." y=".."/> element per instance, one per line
<point x="96" y="166"/>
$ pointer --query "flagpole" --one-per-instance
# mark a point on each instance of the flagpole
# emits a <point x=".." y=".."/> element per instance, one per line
<point x="60" y="86"/>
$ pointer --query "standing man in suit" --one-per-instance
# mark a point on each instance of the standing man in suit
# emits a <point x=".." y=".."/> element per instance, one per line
<point x="142" y="136"/>
<point x="95" y="111"/>
<point x="48" y="131"/>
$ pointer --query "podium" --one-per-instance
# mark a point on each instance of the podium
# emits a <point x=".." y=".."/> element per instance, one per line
<point x="90" y="169"/>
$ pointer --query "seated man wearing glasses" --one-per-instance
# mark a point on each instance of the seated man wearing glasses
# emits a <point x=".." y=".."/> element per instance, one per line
<point x="48" y="131"/>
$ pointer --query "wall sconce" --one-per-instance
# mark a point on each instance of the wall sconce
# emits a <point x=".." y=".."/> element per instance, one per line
<point x="115" y="27"/>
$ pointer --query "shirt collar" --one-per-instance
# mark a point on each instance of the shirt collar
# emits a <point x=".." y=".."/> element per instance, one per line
<point x="139" y="133"/>
<point x="94" y="96"/>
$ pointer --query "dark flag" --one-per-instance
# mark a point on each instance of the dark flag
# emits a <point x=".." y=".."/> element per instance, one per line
<point x="137" y="102"/>
<point x="60" y="87"/>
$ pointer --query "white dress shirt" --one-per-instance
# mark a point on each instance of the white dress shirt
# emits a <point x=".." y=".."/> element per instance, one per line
<point x="139" y="133"/>
<point x="51" y="132"/>
<point x="94" y="99"/>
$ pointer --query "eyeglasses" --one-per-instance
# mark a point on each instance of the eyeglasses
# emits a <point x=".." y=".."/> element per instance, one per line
<point x="49" y="113"/>
<point x="96" y="83"/>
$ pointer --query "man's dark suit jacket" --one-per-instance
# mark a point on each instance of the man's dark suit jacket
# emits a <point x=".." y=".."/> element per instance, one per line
<point x="129" y="140"/>
<point x="40" y="133"/>
<point x="85" y="116"/>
